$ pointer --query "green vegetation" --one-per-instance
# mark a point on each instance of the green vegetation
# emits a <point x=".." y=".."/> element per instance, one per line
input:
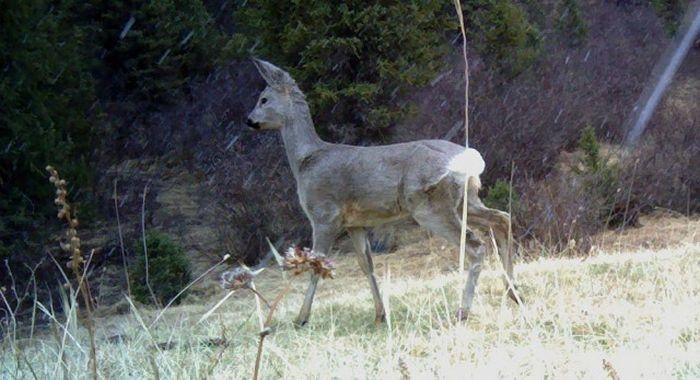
<point x="501" y="29"/>
<point x="151" y="48"/>
<point x="168" y="269"/>
<point x="572" y="23"/>
<point x="45" y="92"/>
<point x="50" y="72"/>
<point x="601" y="179"/>
<point x="671" y="11"/>
<point x="501" y="196"/>
<point x="589" y="145"/>
<point x="351" y="58"/>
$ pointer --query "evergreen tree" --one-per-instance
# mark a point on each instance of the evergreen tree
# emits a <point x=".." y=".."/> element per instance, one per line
<point x="45" y="92"/>
<point x="352" y="57"/>
<point x="501" y="30"/>
<point x="151" y="48"/>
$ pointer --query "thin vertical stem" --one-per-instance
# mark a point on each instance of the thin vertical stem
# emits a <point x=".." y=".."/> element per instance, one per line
<point x="460" y="16"/>
<point x="258" y="357"/>
<point x="465" y="200"/>
<point x="258" y="306"/>
<point x="121" y="240"/>
<point x="145" y="248"/>
<point x="510" y="211"/>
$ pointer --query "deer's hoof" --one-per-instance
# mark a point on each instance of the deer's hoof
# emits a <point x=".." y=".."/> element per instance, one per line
<point x="299" y="323"/>
<point x="380" y="319"/>
<point x="462" y="314"/>
<point x="512" y="295"/>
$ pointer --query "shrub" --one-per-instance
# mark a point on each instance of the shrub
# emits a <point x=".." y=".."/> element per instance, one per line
<point x="168" y="269"/>
<point x="501" y="30"/>
<point x="590" y="147"/>
<point x="585" y="193"/>
<point x="572" y="23"/>
<point x="671" y="12"/>
<point x="600" y="178"/>
<point x="499" y="195"/>
<point x="557" y="215"/>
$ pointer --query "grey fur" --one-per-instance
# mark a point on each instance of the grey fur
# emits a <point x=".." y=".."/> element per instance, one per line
<point x="351" y="188"/>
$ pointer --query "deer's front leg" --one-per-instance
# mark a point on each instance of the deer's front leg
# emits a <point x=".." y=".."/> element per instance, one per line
<point x="364" y="258"/>
<point x="323" y="236"/>
<point x="305" y="311"/>
<point x="476" y="258"/>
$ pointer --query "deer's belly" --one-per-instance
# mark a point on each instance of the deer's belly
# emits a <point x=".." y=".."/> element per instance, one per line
<point x="355" y="214"/>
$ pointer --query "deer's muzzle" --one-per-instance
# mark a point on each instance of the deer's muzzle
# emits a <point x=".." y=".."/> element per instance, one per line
<point x="252" y="124"/>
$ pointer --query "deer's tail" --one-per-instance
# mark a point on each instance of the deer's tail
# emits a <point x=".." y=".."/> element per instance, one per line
<point x="469" y="163"/>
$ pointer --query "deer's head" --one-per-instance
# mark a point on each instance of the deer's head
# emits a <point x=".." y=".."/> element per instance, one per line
<point x="275" y="102"/>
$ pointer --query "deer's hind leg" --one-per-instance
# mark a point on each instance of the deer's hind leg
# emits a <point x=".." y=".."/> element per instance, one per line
<point x="364" y="258"/>
<point x="497" y="221"/>
<point x="443" y="222"/>
<point x="323" y="238"/>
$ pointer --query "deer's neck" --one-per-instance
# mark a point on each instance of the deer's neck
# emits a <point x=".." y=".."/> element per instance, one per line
<point x="299" y="137"/>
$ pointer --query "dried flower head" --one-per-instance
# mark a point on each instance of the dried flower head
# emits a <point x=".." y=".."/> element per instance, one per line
<point x="238" y="278"/>
<point x="71" y="242"/>
<point x="300" y="260"/>
<point x="612" y="373"/>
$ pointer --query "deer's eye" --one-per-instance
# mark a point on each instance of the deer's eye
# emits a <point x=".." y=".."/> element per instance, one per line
<point x="263" y="100"/>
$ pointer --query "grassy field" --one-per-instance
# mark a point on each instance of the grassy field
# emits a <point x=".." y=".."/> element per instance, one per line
<point x="612" y="314"/>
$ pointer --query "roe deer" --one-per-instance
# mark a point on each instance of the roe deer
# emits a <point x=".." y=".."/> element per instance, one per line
<point x="352" y="188"/>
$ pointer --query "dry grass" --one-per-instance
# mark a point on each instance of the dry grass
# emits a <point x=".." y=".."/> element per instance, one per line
<point x="620" y="314"/>
<point x="661" y="229"/>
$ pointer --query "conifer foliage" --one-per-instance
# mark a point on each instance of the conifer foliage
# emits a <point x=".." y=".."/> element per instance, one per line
<point x="351" y="58"/>
<point x="59" y="62"/>
<point x="151" y="48"/>
<point x="45" y="92"/>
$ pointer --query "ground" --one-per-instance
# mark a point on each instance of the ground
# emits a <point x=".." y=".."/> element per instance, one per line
<point x="623" y="311"/>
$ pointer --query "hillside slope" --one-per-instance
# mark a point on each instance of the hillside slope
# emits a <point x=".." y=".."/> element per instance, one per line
<point x="630" y="315"/>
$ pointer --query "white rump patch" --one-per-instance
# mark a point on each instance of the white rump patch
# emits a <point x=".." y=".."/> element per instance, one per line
<point x="469" y="163"/>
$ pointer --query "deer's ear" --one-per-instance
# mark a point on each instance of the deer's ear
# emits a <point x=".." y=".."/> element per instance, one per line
<point x="273" y="75"/>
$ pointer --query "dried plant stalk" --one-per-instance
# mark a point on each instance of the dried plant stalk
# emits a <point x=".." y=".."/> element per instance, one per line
<point x="463" y="232"/>
<point x="71" y="245"/>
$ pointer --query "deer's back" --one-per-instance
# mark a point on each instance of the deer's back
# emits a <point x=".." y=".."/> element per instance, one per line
<point x="369" y="186"/>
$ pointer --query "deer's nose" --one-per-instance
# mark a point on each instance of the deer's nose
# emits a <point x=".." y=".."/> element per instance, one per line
<point x="252" y="124"/>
